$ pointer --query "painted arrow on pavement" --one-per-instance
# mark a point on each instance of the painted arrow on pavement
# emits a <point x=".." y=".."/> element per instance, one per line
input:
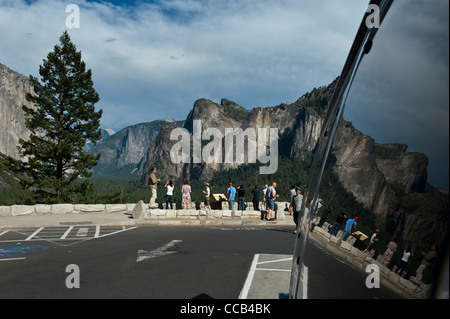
<point x="159" y="252"/>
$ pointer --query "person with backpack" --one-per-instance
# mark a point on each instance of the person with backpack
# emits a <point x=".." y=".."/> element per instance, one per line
<point x="231" y="192"/>
<point x="271" y="195"/>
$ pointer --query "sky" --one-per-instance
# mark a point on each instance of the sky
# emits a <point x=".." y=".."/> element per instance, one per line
<point x="153" y="59"/>
<point x="400" y="93"/>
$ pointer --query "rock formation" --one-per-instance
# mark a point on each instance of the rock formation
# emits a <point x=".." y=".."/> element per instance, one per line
<point x="13" y="89"/>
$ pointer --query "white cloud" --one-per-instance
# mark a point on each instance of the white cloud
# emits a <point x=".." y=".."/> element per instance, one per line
<point x="154" y="60"/>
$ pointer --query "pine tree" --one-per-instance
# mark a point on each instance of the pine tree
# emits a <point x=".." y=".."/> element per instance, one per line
<point x="56" y="166"/>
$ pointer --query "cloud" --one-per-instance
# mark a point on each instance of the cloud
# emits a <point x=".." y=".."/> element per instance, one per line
<point x="154" y="59"/>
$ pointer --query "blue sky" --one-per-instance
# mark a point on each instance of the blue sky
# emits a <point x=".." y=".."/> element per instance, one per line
<point x="153" y="59"/>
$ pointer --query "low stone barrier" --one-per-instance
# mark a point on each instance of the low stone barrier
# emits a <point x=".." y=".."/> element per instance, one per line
<point x="59" y="209"/>
<point x="141" y="211"/>
<point x="355" y="256"/>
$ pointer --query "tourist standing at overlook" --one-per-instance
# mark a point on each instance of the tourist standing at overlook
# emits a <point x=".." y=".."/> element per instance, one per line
<point x="264" y="200"/>
<point x="391" y="249"/>
<point x="292" y="193"/>
<point x="337" y="224"/>
<point x="256" y="193"/>
<point x="372" y="241"/>
<point x="186" y="194"/>
<point x="271" y="195"/>
<point x="241" y="198"/>
<point x="349" y="228"/>
<point x="409" y="251"/>
<point x="207" y="193"/>
<point x="296" y="202"/>
<point x="325" y="213"/>
<point x="153" y="185"/>
<point x="231" y="192"/>
<point x="169" y="195"/>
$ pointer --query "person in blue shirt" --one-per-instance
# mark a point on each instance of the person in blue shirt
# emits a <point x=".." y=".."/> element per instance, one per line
<point x="349" y="228"/>
<point x="231" y="192"/>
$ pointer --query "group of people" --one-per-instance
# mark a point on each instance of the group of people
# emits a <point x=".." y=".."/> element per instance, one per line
<point x="350" y="226"/>
<point x="269" y="195"/>
<point x="169" y="186"/>
<point x="427" y="261"/>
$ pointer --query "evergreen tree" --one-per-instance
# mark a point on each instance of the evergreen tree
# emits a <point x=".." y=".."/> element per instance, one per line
<point x="56" y="166"/>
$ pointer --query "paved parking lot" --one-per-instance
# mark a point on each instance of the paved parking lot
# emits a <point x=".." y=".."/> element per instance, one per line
<point x="63" y="235"/>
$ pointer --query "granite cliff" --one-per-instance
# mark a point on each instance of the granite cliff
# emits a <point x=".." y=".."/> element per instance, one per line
<point x="13" y="89"/>
<point x="392" y="184"/>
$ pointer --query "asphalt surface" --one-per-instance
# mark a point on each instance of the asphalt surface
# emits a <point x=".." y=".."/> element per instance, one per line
<point x="178" y="261"/>
<point x="208" y="262"/>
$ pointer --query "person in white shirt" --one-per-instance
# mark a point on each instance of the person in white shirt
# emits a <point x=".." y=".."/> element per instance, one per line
<point x="207" y="196"/>
<point x="169" y="195"/>
<point x="404" y="261"/>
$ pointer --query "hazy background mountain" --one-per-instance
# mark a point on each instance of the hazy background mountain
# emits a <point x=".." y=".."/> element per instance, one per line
<point x="125" y="150"/>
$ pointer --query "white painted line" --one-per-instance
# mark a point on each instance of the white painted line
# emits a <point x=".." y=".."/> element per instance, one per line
<point x="116" y="232"/>
<point x="271" y="269"/>
<point x="82" y="232"/>
<point x="274" y="261"/>
<point x="97" y="231"/>
<point x="67" y="232"/>
<point x="9" y="259"/>
<point x="2" y="233"/>
<point x="248" y="281"/>
<point x="34" y="234"/>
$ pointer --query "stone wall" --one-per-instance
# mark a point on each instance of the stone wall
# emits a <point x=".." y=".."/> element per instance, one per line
<point x="139" y="210"/>
<point x="346" y="250"/>
<point x="58" y="209"/>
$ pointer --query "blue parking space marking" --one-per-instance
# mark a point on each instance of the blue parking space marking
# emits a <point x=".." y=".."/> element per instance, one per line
<point x="21" y="251"/>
